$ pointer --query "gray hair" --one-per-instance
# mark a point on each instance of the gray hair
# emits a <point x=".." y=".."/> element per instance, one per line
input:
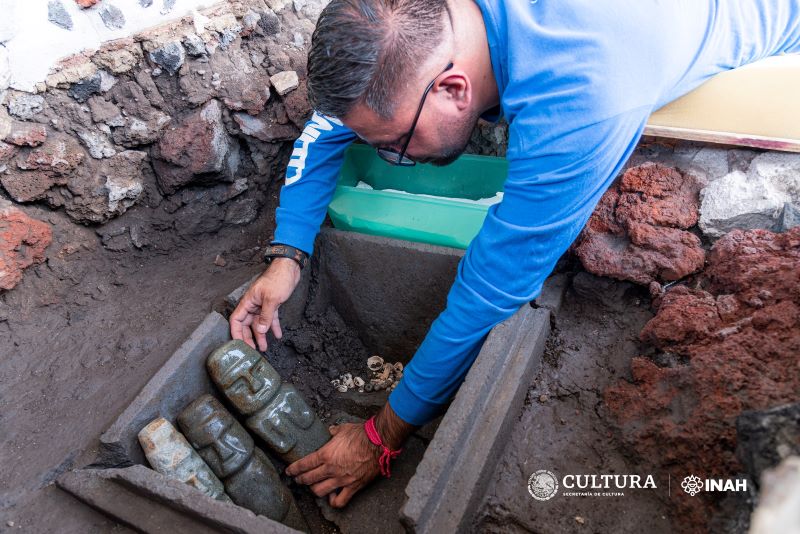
<point x="362" y="51"/>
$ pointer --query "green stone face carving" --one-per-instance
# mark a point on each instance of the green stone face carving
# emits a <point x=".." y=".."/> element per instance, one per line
<point x="246" y="378"/>
<point x="247" y="473"/>
<point x="219" y="439"/>
<point x="277" y="412"/>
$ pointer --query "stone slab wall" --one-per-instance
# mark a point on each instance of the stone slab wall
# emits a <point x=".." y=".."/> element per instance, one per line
<point x="190" y="122"/>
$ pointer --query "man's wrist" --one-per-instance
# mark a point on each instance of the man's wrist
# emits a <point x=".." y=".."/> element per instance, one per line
<point x="280" y="250"/>
<point x="286" y="263"/>
<point x="392" y="430"/>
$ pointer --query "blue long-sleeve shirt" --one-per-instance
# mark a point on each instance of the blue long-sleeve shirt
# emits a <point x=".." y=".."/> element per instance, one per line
<point x="577" y="81"/>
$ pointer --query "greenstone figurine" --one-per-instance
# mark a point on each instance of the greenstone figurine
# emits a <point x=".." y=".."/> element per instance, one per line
<point x="170" y="454"/>
<point x="275" y="410"/>
<point x="248" y="475"/>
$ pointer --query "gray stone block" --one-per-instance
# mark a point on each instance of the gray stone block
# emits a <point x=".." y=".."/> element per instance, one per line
<point x="182" y="379"/>
<point x="389" y="290"/>
<point x="552" y="294"/>
<point x="451" y="479"/>
<point x="149" y="502"/>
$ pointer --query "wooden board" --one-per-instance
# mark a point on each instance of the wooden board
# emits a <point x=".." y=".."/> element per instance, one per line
<point x="757" y="105"/>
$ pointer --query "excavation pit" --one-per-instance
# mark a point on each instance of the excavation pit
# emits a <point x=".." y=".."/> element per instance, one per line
<point x="363" y="295"/>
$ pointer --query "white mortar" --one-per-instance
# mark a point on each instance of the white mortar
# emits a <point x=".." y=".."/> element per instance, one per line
<point x="38" y="44"/>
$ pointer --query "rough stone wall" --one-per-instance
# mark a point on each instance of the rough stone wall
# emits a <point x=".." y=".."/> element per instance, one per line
<point x="726" y="345"/>
<point x="186" y="125"/>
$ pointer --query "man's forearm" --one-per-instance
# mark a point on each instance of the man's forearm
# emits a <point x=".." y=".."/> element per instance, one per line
<point x="392" y="430"/>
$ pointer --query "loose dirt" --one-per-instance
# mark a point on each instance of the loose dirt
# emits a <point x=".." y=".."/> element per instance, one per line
<point x="563" y="426"/>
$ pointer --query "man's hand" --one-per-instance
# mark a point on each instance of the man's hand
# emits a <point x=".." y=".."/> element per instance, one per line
<point x="257" y="312"/>
<point x="349" y="460"/>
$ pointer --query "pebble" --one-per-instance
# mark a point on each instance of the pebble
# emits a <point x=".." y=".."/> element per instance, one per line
<point x="57" y="14"/>
<point x="285" y="81"/>
<point x="112" y="17"/>
<point x="579" y="520"/>
<point x="219" y="261"/>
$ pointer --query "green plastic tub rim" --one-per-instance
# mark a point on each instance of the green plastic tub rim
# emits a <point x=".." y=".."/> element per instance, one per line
<point x="436" y="221"/>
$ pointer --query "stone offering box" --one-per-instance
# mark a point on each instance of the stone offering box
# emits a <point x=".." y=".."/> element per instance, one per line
<point x="389" y="291"/>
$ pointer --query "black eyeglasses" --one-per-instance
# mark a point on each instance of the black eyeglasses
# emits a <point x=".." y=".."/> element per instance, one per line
<point x="399" y="158"/>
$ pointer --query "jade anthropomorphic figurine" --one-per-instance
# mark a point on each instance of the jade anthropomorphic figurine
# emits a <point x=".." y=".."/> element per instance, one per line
<point x="171" y="455"/>
<point x="275" y="410"/>
<point x="249" y="477"/>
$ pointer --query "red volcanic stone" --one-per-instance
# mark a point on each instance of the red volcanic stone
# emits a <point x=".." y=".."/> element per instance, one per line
<point x="198" y="145"/>
<point x="61" y="156"/>
<point x="739" y="339"/>
<point x="39" y="169"/>
<point x="27" y="134"/>
<point x="27" y="186"/>
<point x="758" y="266"/>
<point x="658" y="195"/>
<point x="685" y="315"/>
<point x="6" y="151"/>
<point x="23" y="241"/>
<point x="638" y="229"/>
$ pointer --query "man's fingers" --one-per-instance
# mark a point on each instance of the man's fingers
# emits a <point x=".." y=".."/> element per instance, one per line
<point x="247" y="336"/>
<point x="306" y="463"/>
<point x="343" y="497"/>
<point x="315" y="475"/>
<point x="247" y="306"/>
<point x="276" y="326"/>
<point x="326" y="486"/>
<point x="237" y="318"/>
<point x="262" y="324"/>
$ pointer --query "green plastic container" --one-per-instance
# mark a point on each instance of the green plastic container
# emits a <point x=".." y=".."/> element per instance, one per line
<point x="437" y="221"/>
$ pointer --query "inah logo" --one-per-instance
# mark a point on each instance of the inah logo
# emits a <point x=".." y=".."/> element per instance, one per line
<point x="692" y="485"/>
<point x="542" y="485"/>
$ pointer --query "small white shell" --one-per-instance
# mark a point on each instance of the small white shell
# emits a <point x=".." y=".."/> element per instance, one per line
<point x="387" y="371"/>
<point x="341" y="388"/>
<point x="398" y="367"/>
<point x="348" y="382"/>
<point x="335" y="382"/>
<point x="358" y="381"/>
<point x="375" y="363"/>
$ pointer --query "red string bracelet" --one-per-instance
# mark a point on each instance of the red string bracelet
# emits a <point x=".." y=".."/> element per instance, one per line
<point x="387" y="455"/>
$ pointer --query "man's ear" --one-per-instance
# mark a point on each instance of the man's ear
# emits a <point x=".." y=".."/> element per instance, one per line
<point x="457" y="87"/>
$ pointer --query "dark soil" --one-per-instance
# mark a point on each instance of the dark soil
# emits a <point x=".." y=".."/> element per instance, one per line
<point x="563" y="426"/>
<point x="315" y="352"/>
<point x="80" y="336"/>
